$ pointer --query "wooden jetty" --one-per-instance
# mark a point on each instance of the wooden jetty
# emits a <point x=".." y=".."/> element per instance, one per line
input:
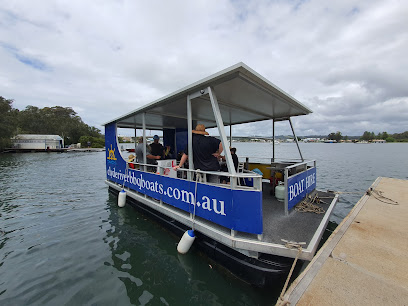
<point x="62" y="150"/>
<point x="17" y="150"/>
<point x="365" y="260"/>
<point x="86" y="150"/>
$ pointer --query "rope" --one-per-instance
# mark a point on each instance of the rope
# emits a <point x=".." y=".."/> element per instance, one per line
<point x="344" y="192"/>
<point x="307" y="205"/>
<point x="198" y="177"/>
<point x="375" y="193"/>
<point x="378" y="194"/>
<point x="124" y="177"/>
<point x="290" y="245"/>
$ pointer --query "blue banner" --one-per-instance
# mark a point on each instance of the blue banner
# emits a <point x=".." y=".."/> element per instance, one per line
<point x="239" y="210"/>
<point x="300" y="185"/>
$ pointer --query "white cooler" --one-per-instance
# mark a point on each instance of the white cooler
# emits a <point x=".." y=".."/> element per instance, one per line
<point x="166" y="167"/>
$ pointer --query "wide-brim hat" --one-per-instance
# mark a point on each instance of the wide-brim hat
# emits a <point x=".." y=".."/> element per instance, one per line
<point x="131" y="157"/>
<point x="200" y="129"/>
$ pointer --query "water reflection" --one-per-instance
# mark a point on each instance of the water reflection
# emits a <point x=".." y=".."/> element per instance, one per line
<point x="144" y="254"/>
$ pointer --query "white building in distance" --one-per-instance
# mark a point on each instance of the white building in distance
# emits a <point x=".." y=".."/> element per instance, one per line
<point x="37" y="142"/>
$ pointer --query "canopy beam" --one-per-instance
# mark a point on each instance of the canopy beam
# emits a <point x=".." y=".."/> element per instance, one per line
<point x="297" y="143"/>
<point x="221" y="131"/>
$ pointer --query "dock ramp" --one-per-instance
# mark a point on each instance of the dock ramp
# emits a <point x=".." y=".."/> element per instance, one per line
<point x="365" y="260"/>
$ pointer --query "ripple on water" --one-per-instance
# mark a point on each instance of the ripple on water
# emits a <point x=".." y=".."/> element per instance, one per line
<point x="64" y="241"/>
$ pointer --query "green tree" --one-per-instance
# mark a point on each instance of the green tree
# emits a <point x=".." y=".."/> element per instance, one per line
<point x="57" y="120"/>
<point x="401" y="137"/>
<point x="94" y="132"/>
<point x="368" y="136"/>
<point x="8" y="122"/>
<point x="383" y="135"/>
<point x="335" y="136"/>
<point x="30" y="121"/>
<point x="95" y="142"/>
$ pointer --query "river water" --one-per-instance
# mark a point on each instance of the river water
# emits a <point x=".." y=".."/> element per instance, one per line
<point x="63" y="241"/>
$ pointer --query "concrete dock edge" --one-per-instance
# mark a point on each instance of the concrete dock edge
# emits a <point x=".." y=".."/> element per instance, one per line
<point x="364" y="261"/>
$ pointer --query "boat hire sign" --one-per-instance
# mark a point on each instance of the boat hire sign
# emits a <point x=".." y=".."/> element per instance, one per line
<point x="300" y="185"/>
<point x="239" y="210"/>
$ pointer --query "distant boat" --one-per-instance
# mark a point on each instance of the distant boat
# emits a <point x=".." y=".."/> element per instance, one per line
<point x="130" y="150"/>
<point x="277" y="142"/>
<point x="330" y="141"/>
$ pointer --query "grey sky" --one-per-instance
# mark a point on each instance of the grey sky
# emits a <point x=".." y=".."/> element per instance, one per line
<point x="346" y="60"/>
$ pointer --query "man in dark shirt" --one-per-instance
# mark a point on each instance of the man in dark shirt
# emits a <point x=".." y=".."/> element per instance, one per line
<point x="156" y="148"/>
<point x="224" y="167"/>
<point x="206" y="150"/>
<point x="150" y="158"/>
<point x="234" y="158"/>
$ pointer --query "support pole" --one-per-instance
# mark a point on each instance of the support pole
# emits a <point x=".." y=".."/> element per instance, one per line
<point x="144" y="141"/>
<point x="230" y="138"/>
<point x="286" y="191"/>
<point x="135" y="134"/>
<point x="175" y="144"/>
<point x="230" y="129"/>
<point x="190" y="138"/>
<point x="297" y="143"/>
<point x="273" y="140"/>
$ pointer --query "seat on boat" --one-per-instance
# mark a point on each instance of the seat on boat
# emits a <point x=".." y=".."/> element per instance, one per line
<point x="240" y="169"/>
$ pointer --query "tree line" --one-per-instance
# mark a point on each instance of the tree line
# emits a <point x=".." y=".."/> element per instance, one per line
<point x="370" y="136"/>
<point x="56" y="120"/>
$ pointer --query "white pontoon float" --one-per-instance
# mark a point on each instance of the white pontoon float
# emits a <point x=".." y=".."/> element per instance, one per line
<point x="241" y="224"/>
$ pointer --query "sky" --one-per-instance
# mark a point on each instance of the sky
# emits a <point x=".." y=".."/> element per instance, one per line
<point x="345" y="60"/>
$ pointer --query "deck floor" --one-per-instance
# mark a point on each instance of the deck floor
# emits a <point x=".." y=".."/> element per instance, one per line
<point x="296" y="226"/>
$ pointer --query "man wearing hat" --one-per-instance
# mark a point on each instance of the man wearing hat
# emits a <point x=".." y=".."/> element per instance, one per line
<point x="206" y="150"/>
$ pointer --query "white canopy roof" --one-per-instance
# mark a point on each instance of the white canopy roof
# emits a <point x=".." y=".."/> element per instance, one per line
<point x="243" y="96"/>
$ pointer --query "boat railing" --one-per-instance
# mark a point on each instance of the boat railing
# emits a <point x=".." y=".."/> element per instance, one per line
<point x="240" y="180"/>
<point x="298" y="176"/>
<point x="299" y="167"/>
<point x="281" y="164"/>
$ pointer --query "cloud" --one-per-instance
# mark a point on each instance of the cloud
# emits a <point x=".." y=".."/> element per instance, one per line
<point x="345" y="60"/>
